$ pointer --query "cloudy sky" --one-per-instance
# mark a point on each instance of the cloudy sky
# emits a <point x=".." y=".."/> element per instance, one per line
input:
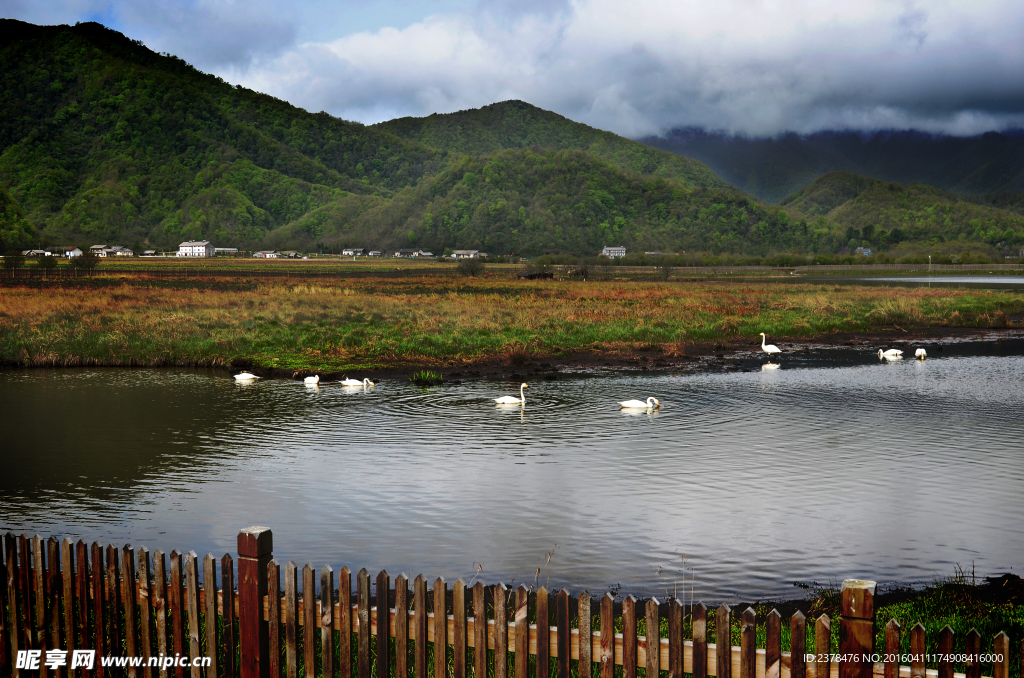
<point x="642" y="67"/>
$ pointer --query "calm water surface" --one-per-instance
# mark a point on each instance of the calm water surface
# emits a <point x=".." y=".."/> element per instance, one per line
<point x="890" y="471"/>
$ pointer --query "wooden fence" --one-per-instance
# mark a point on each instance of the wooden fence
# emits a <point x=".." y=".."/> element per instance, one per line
<point x="62" y="595"/>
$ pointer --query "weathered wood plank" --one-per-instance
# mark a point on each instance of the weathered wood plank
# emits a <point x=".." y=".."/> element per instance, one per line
<point x="67" y="570"/>
<point x="176" y="608"/>
<point x="945" y="665"/>
<point x="823" y="647"/>
<point x="25" y="591"/>
<point x="586" y="650"/>
<point x="327" y="621"/>
<point x="192" y="607"/>
<point x="543" y="633"/>
<point x="419" y="603"/>
<point x="308" y="622"/>
<point x="291" y="623"/>
<point x="210" y="609"/>
<point x="607" y="636"/>
<point x="700" y="641"/>
<point x="748" y="644"/>
<point x="564" y="633"/>
<point x="114" y="599"/>
<point x="6" y="665"/>
<point x="972" y="649"/>
<point x="440" y="628"/>
<point x="629" y="637"/>
<point x="41" y="632"/>
<point x="273" y="617"/>
<point x="479" y="631"/>
<point x="82" y="595"/>
<point x="773" y="645"/>
<point x="652" y="639"/>
<point x="14" y="623"/>
<point x="723" y="626"/>
<point x="458" y="630"/>
<point x="130" y="596"/>
<point x="500" y="596"/>
<point x="917" y="649"/>
<point x="146" y="615"/>
<point x="891" y="668"/>
<point x="522" y="639"/>
<point x="675" y="638"/>
<point x="383" y="627"/>
<point x="160" y="604"/>
<point x="228" y="635"/>
<point x="1001" y="648"/>
<point x="54" y="591"/>
<point x="345" y="623"/>
<point x="363" y="602"/>
<point x="401" y="626"/>
<point x="798" y="645"/>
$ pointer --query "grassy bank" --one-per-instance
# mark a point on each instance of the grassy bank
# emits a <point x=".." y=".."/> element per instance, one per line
<point x="374" y="323"/>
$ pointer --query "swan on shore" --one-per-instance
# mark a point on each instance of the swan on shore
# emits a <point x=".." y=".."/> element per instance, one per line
<point x="512" y="400"/>
<point x="355" y="382"/>
<point x="246" y="376"/>
<point x="920" y="354"/>
<point x="770" y="349"/>
<point x="891" y="354"/>
<point x="652" y="403"/>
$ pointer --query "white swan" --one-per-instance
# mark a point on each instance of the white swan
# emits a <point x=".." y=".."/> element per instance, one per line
<point x="512" y="400"/>
<point x="769" y="348"/>
<point x="652" y="403"/>
<point x="246" y="376"/>
<point x="312" y="381"/>
<point x="920" y="354"/>
<point x="890" y="354"/>
<point x="356" y="382"/>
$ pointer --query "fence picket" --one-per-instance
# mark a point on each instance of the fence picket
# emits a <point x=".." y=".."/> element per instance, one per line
<point x="522" y="644"/>
<point x="500" y="631"/>
<point x="479" y="631"/>
<point x="723" y="642"/>
<point x="273" y="617"/>
<point x="629" y="637"/>
<point x="383" y="624"/>
<point x="176" y="607"/>
<point x="8" y="611"/>
<point x="291" y="614"/>
<point x="210" y="609"/>
<point x="82" y="596"/>
<point x="564" y="633"/>
<point x="129" y="595"/>
<point x="797" y="645"/>
<point x="972" y="650"/>
<point x="39" y="582"/>
<point x="543" y="633"/>
<point x="67" y="558"/>
<point x="114" y="600"/>
<point x="892" y="650"/>
<point x="327" y="621"/>
<point x="345" y="621"/>
<point x="458" y="630"/>
<point x="822" y="647"/>
<point x="227" y="584"/>
<point x="53" y="593"/>
<point x="401" y="626"/>
<point x="945" y="665"/>
<point x="145" y="615"/>
<point x="675" y="638"/>
<point x="192" y="607"/>
<point x="917" y="648"/>
<point x="440" y="628"/>
<point x="308" y="622"/>
<point x="363" y="600"/>
<point x="607" y="636"/>
<point x="1001" y="648"/>
<point x="419" y="603"/>
<point x="748" y="644"/>
<point x="586" y="651"/>
<point x="700" y="641"/>
<point x="160" y="604"/>
<point x="773" y="645"/>
<point x="652" y="639"/>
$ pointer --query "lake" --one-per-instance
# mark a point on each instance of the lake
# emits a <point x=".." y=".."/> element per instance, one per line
<point x="835" y="465"/>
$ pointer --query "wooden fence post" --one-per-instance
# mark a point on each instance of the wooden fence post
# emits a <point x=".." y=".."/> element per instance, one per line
<point x="857" y="628"/>
<point x="255" y="550"/>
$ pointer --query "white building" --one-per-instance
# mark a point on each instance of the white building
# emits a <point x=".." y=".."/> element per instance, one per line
<point x="466" y="254"/>
<point x="196" y="248"/>
<point x="614" y="252"/>
<point x="266" y="254"/>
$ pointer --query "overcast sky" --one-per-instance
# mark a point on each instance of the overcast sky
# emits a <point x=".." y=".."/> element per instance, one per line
<point x="634" y="67"/>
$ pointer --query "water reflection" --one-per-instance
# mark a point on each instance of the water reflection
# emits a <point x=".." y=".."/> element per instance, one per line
<point x="892" y="471"/>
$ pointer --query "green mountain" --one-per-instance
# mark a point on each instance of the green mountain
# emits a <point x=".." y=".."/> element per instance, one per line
<point x="881" y="214"/>
<point x="517" y="124"/>
<point x="772" y="168"/>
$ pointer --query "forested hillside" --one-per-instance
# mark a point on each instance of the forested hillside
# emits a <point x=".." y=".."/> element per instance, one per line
<point x="773" y="168"/>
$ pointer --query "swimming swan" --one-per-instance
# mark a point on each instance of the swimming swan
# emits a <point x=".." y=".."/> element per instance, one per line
<point x="769" y="348"/>
<point x="246" y="376"/>
<point x="920" y="354"/>
<point x="890" y="354"/>
<point x="512" y="400"/>
<point x="652" y="403"/>
<point x="312" y="380"/>
<point x="356" y="382"/>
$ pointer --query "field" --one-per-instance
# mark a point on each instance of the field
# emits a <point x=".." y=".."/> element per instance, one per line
<point x="373" y="323"/>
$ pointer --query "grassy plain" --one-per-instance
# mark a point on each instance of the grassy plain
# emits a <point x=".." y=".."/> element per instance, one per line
<point x="373" y="323"/>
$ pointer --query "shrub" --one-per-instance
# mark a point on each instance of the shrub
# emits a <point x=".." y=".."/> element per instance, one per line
<point x="87" y="262"/>
<point x="13" y="259"/>
<point x="47" y="263"/>
<point x="470" y="268"/>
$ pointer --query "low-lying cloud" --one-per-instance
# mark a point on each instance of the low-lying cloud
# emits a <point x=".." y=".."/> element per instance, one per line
<point x="742" y="66"/>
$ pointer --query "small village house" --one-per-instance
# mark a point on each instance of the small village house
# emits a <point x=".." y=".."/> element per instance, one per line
<point x="614" y="252"/>
<point x="265" y="254"/>
<point x="467" y="254"/>
<point x="406" y="253"/>
<point x="196" y="248"/>
<point x="354" y="252"/>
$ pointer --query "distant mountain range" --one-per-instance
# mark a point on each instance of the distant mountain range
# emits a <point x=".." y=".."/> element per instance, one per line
<point x="773" y="168"/>
<point x="104" y="141"/>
